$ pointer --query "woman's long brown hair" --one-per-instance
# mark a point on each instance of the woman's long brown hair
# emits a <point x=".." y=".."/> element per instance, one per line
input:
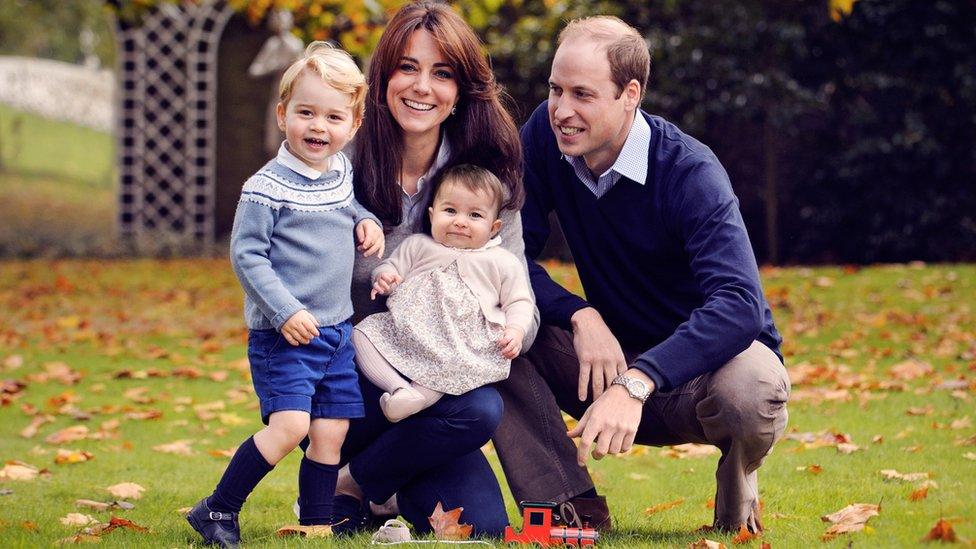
<point x="481" y="132"/>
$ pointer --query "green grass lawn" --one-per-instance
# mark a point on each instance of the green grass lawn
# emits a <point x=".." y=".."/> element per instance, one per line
<point x="35" y="145"/>
<point x="151" y="337"/>
<point x="58" y="186"/>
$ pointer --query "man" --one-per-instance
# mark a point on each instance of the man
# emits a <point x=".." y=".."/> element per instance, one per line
<point x="675" y="342"/>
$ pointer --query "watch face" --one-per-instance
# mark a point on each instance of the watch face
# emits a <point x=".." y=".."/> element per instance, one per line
<point x="638" y="387"/>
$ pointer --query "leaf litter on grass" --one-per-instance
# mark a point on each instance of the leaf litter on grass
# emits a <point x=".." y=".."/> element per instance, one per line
<point x="144" y="327"/>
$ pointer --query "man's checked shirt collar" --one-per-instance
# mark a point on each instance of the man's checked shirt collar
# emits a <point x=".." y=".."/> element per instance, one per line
<point x="631" y="162"/>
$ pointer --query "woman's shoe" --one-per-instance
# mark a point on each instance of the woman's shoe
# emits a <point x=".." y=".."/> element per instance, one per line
<point x="349" y="516"/>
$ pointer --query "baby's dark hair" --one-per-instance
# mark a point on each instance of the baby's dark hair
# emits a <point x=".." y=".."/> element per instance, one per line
<point x="474" y="178"/>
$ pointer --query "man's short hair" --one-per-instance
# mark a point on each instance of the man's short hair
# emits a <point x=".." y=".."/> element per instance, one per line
<point x="335" y="67"/>
<point x="626" y="49"/>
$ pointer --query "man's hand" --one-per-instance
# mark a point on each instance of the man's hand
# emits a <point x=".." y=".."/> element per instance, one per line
<point x="384" y="284"/>
<point x="610" y="422"/>
<point x="511" y="342"/>
<point x="300" y="329"/>
<point x="600" y="356"/>
<point x="370" y="237"/>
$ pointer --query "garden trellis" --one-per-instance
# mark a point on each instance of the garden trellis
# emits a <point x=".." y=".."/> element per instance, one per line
<point x="166" y="123"/>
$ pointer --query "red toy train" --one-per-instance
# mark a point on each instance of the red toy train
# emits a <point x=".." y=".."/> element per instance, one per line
<point x="538" y="529"/>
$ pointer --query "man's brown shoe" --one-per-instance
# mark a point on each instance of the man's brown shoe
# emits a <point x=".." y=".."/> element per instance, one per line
<point x="587" y="512"/>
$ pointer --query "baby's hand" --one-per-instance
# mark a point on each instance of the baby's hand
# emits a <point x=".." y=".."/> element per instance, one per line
<point x="511" y="342"/>
<point x="300" y="329"/>
<point x="384" y="284"/>
<point x="370" y="237"/>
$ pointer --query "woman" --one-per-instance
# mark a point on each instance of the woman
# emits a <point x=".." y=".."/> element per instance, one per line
<point x="433" y="103"/>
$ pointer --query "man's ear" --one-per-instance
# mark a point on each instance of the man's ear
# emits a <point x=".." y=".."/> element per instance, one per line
<point x="632" y="94"/>
<point x="280" y="115"/>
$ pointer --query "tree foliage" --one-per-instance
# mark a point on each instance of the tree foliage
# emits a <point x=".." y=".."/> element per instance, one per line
<point x="847" y="126"/>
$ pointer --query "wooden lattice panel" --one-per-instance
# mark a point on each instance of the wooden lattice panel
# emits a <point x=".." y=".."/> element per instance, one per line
<point x="167" y="107"/>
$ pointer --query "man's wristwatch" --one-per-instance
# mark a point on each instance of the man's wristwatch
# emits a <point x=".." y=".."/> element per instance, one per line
<point x="635" y="387"/>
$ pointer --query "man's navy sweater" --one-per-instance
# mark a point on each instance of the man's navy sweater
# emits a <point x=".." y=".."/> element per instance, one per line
<point x="668" y="264"/>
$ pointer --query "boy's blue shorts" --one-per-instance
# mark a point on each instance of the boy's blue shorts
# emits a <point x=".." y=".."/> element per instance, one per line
<point x="319" y="378"/>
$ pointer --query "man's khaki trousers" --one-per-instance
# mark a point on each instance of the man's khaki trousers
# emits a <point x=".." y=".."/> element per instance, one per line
<point x="740" y="408"/>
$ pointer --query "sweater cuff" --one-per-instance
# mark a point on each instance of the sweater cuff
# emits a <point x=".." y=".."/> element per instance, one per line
<point x="672" y="361"/>
<point x="660" y="383"/>
<point x="283" y="315"/>
<point x="565" y="309"/>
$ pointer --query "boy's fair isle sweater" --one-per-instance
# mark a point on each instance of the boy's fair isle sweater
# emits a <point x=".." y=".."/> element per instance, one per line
<point x="293" y="242"/>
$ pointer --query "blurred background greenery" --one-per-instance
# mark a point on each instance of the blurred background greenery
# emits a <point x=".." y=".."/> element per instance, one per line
<point x="847" y="126"/>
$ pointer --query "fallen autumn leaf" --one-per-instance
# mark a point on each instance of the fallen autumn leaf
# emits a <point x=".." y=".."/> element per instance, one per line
<point x="446" y="525"/>
<point x="126" y="490"/>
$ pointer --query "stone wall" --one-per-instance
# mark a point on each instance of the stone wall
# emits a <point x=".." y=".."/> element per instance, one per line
<point x="57" y="90"/>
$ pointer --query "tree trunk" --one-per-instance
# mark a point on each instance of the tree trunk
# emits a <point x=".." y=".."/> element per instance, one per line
<point x="770" y="195"/>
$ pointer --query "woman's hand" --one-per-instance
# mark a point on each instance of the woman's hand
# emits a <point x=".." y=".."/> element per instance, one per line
<point x="384" y="284"/>
<point x="510" y="343"/>
<point x="370" y="237"/>
<point x="300" y="328"/>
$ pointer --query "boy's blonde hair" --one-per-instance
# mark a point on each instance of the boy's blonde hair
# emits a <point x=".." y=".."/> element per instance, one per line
<point x="335" y="67"/>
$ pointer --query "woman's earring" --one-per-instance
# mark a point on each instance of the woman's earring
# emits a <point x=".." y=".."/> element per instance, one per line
<point x="454" y="109"/>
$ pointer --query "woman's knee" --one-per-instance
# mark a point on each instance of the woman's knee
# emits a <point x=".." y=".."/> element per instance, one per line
<point x="483" y="408"/>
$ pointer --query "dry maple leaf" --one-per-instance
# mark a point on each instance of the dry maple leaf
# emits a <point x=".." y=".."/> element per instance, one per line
<point x="690" y="450"/>
<point x="61" y="372"/>
<point x="144" y="414"/>
<point x="67" y="457"/>
<point x="926" y="410"/>
<point x="77" y="519"/>
<point x="18" y="470"/>
<point x="663" y="506"/>
<point x="13" y="362"/>
<point x="942" y="531"/>
<point x="848" y="448"/>
<point x="117" y="522"/>
<point x="139" y="395"/>
<point x="849" y="519"/>
<point x="919" y="494"/>
<point x="103" y="506"/>
<point x="706" y="544"/>
<point x="744" y="535"/>
<point x="962" y="423"/>
<point x="218" y="376"/>
<point x="31" y="430"/>
<point x="68" y="434"/>
<point x="126" y="490"/>
<point x="910" y="369"/>
<point x="218" y="453"/>
<point x="180" y="447"/>
<point x="312" y="531"/>
<point x="892" y="474"/>
<point x="446" y="525"/>
<point x="232" y="419"/>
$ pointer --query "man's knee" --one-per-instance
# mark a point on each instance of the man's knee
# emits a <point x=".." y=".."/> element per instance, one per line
<point x="747" y="398"/>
